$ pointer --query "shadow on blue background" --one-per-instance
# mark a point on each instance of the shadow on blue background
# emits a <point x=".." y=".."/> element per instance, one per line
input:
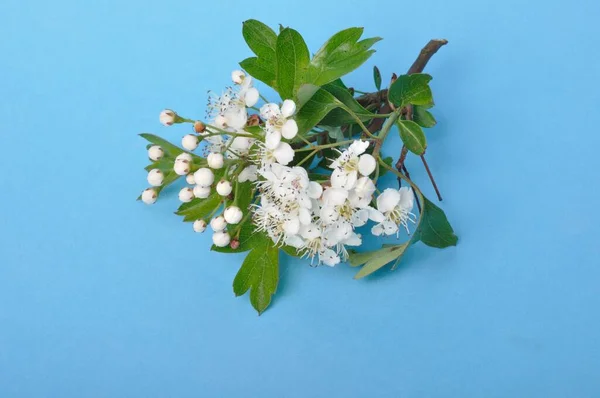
<point x="104" y="297"/>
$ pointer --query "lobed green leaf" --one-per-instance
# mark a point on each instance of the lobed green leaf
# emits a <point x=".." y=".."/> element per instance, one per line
<point x="411" y="89"/>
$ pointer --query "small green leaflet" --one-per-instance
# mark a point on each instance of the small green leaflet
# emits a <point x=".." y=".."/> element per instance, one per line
<point x="375" y="260"/>
<point x="377" y="77"/>
<point x="411" y="89"/>
<point x="412" y="136"/>
<point x="340" y="55"/>
<point x="259" y="273"/>
<point x="423" y="117"/>
<point x="262" y="41"/>
<point x="342" y="116"/>
<point x="199" y="208"/>
<point x="434" y="228"/>
<point x="292" y="62"/>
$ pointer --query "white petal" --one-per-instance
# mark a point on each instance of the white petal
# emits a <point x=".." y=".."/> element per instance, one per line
<point x="294" y="241"/>
<point x="329" y="214"/>
<point x="388" y="199"/>
<point x="377" y="230"/>
<point x="284" y="153"/>
<point x="288" y="108"/>
<point x="289" y="129"/>
<point x="251" y="97"/>
<point x="366" y="164"/>
<point x="375" y="215"/>
<point x="360" y="217"/>
<point x="291" y="226"/>
<point x="305" y="216"/>
<point x="407" y="198"/>
<point x="236" y="117"/>
<point x="351" y="181"/>
<point x="353" y="240"/>
<point x="335" y="196"/>
<point x="389" y="227"/>
<point x="268" y="111"/>
<point x="329" y="257"/>
<point x="338" y="178"/>
<point x="310" y="231"/>
<point x="272" y="139"/>
<point x="358" y="147"/>
<point x="315" y="190"/>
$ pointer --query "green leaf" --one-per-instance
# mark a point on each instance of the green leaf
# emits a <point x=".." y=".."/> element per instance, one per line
<point x="377" y="259"/>
<point x="292" y="62"/>
<point x="341" y="54"/>
<point x="423" y="117"/>
<point x="412" y="136"/>
<point x="382" y="170"/>
<point x="260" y="38"/>
<point x="411" y="89"/>
<point x="434" y="228"/>
<point x="170" y="150"/>
<point x="248" y="238"/>
<point x="163" y="165"/>
<point x="377" y="77"/>
<point x="199" y="208"/>
<point x="315" y="108"/>
<point x="260" y="69"/>
<point x="342" y="116"/>
<point x="259" y="274"/>
<point x="291" y="251"/>
<point x="334" y="132"/>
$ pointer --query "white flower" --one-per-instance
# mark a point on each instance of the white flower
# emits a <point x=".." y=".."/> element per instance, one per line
<point x="218" y="223"/>
<point x="224" y="187"/>
<point x="149" y="196"/>
<point x="201" y="192"/>
<point x="190" y="142"/>
<point x="182" y="165"/>
<point x="278" y="122"/>
<point x="221" y="239"/>
<point x="204" y="177"/>
<point x="155" y="153"/>
<point x="155" y="177"/>
<point x="250" y="173"/>
<point x="190" y="179"/>
<point x="186" y="194"/>
<point x="240" y="146"/>
<point x="167" y="117"/>
<point x="393" y="209"/>
<point x="233" y="215"/>
<point x="215" y="160"/>
<point x="199" y="226"/>
<point x="361" y="195"/>
<point x="350" y="162"/>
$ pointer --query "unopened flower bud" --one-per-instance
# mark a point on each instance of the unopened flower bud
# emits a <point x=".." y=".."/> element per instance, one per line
<point x="155" y="153"/>
<point x="204" y="177"/>
<point x="215" y="160"/>
<point x="186" y="195"/>
<point x="184" y="157"/>
<point x="235" y="244"/>
<point x="155" y="177"/>
<point x="201" y="192"/>
<point x="218" y="223"/>
<point x="190" y="142"/>
<point x="199" y="226"/>
<point x="149" y="196"/>
<point x="237" y="76"/>
<point x="182" y="168"/>
<point x="224" y="187"/>
<point x="233" y="215"/>
<point x="167" y="117"/>
<point x="221" y="239"/>
<point x="199" y="127"/>
<point x="190" y="179"/>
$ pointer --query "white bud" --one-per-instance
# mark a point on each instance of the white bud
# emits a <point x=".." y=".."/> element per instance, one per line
<point x="182" y="168"/>
<point x="167" y="117"/>
<point x="201" y="192"/>
<point x="221" y="239"/>
<point x="155" y="153"/>
<point x="190" y="142"/>
<point x="237" y="76"/>
<point x="199" y="226"/>
<point x="224" y="188"/>
<point x="149" y="196"/>
<point x="204" y="177"/>
<point x="218" y="223"/>
<point x="233" y="215"/>
<point x="184" y="157"/>
<point x="186" y="195"/>
<point x="215" y="160"/>
<point x="155" y="177"/>
<point x="289" y="129"/>
<point x="190" y="179"/>
<point x="366" y="164"/>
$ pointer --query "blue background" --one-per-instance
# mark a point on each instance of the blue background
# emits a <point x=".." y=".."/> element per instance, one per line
<point x="101" y="296"/>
